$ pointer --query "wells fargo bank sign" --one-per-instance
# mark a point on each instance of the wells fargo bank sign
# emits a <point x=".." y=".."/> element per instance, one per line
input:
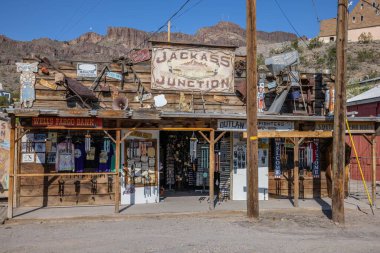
<point x="193" y="69"/>
<point x="67" y="122"/>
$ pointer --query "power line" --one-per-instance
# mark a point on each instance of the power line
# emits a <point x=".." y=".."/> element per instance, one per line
<point x="161" y="27"/>
<point x="68" y="21"/>
<point x="315" y="10"/>
<point x="290" y="23"/>
<point x="375" y="7"/>
<point x="83" y="16"/>
<point x="188" y="9"/>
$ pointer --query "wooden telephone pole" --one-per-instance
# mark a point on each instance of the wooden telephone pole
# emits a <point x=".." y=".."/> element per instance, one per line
<point x="340" y="114"/>
<point x="252" y="139"/>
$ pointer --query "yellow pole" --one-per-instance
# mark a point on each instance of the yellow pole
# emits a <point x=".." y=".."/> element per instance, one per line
<point x="357" y="160"/>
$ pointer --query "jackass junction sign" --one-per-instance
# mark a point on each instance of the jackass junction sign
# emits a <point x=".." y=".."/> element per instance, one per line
<point x="193" y="69"/>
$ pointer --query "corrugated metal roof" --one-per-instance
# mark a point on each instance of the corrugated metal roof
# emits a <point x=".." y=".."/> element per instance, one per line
<point x="372" y="94"/>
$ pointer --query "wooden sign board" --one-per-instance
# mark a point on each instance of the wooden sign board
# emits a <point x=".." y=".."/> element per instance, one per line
<point x="355" y="127"/>
<point x="4" y="157"/>
<point x="87" y="70"/>
<point x="27" y="67"/>
<point x="141" y="135"/>
<point x="67" y="122"/>
<point x="193" y="69"/>
<point x="114" y="75"/>
<point x="139" y="55"/>
<point x="241" y="125"/>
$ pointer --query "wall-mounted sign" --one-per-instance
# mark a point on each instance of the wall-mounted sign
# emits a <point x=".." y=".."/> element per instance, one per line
<point x="193" y="69"/>
<point x="141" y="135"/>
<point x="277" y="158"/>
<point x="4" y="157"/>
<point x="139" y="55"/>
<point x="114" y="75"/>
<point x="27" y="81"/>
<point x="27" y="158"/>
<point x="241" y="125"/>
<point x="316" y="167"/>
<point x="144" y="97"/>
<point x="87" y="70"/>
<point x="27" y="67"/>
<point x="232" y="125"/>
<point x="276" y="125"/>
<point x="67" y="122"/>
<point x="355" y="127"/>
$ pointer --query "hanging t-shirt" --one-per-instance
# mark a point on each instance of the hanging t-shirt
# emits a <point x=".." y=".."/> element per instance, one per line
<point x="105" y="160"/>
<point x="80" y="157"/>
<point x="65" y="157"/>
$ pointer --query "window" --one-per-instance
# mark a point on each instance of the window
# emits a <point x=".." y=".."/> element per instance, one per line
<point x="353" y="19"/>
<point x="362" y="18"/>
<point x="332" y="39"/>
<point x="361" y="6"/>
<point x="374" y="4"/>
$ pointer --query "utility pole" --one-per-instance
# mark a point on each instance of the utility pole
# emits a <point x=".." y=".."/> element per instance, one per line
<point x="340" y="114"/>
<point x="252" y="139"/>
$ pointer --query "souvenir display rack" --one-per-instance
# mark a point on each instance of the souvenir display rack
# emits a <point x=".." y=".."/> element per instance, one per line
<point x="141" y="163"/>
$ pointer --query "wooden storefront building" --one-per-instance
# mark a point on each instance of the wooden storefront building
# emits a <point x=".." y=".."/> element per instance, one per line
<point x="95" y="133"/>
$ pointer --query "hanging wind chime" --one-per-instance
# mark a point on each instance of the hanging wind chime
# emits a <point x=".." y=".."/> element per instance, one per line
<point x="106" y="144"/>
<point x="68" y="143"/>
<point x="87" y="142"/>
<point x="193" y="148"/>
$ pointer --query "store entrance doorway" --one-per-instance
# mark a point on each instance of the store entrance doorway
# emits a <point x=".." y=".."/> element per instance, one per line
<point x="185" y="161"/>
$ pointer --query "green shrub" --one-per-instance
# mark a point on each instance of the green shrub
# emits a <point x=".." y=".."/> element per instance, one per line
<point x="367" y="55"/>
<point x="365" y="38"/>
<point x="315" y="43"/>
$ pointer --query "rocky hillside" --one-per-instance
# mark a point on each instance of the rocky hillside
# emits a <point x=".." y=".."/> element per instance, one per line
<point x="116" y="42"/>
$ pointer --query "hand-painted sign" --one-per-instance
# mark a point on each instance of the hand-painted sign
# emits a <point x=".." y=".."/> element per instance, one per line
<point x="193" y="69"/>
<point x="316" y="167"/>
<point x="27" y="81"/>
<point x="27" y="67"/>
<point x="241" y="125"/>
<point x="276" y="125"/>
<point x="87" y="70"/>
<point x="141" y="135"/>
<point x="355" y="127"/>
<point x="277" y="158"/>
<point x="232" y="125"/>
<point x="67" y="122"/>
<point x="114" y="75"/>
<point x="4" y="157"/>
<point x="139" y="55"/>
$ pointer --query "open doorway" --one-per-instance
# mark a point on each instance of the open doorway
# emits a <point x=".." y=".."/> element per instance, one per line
<point x="185" y="161"/>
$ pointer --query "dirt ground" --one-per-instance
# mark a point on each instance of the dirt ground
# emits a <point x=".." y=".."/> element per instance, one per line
<point x="281" y="231"/>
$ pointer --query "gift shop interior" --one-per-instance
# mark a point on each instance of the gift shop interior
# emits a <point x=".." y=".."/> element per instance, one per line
<point x="185" y="162"/>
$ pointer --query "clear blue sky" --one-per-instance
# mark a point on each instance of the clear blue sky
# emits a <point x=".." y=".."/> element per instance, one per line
<point x="67" y="19"/>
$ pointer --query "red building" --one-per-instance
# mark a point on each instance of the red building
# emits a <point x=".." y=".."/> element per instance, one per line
<point x="366" y="104"/>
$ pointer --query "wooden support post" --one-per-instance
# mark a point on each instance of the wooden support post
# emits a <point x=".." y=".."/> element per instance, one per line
<point x="18" y="167"/>
<point x="374" y="143"/>
<point x="117" y="170"/>
<point x="212" y="169"/>
<point x="252" y="138"/>
<point x="11" y="168"/>
<point x="296" y="171"/>
<point x="340" y="115"/>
